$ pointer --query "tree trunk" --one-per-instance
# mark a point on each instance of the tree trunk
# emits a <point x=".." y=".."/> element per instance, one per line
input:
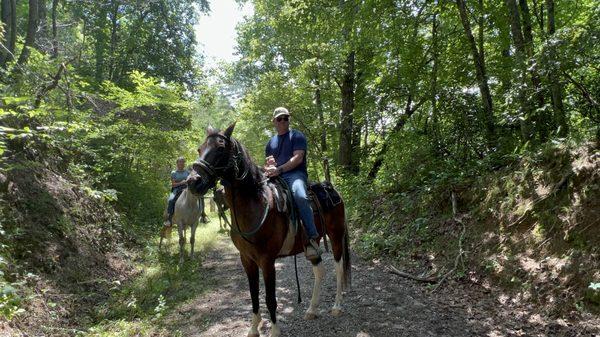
<point x="540" y="120"/>
<point x="347" y="90"/>
<point x="54" y="29"/>
<point x="480" y="29"/>
<point x="113" y="38"/>
<point x="9" y="18"/>
<point x="42" y="24"/>
<point x="538" y="11"/>
<point x="555" y="86"/>
<point x="434" y="76"/>
<point x="346" y="118"/>
<point x="5" y="12"/>
<point x="520" y="57"/>
<point x="32" y="26"/>
<point x="479" y="61"/>
<point x="527" y="30"/>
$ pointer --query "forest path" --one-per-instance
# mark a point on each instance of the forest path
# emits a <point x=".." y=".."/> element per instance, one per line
<point x="379" y="304"/>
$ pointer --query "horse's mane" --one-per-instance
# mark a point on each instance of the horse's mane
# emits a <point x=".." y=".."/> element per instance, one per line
<point x="255" y="177"/>
<point x="253" y="182"/>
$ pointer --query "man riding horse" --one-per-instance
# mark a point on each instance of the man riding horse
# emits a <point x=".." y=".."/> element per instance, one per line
<point x="259" y="228"/>
<point x="286" y="157"/>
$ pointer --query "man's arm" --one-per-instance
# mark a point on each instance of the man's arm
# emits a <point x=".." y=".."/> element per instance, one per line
<point x="288" y="166"/>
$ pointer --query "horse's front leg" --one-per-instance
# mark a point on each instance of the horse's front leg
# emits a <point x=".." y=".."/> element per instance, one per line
<point x="181" y="243"/>
<point x="251" y="269"/>
<point x="193" y="238"/>
<point x="269" y="278"/>
<point x="313" y="309"/>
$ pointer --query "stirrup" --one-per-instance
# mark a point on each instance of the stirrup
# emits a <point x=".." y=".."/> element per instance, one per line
<point x="312" y="250"/>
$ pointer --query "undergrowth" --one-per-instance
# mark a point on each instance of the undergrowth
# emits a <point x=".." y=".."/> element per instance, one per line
<point x="140" y="307"/>
<point x="531" y="223"/>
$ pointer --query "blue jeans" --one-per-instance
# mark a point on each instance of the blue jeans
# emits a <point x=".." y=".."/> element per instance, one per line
<point x="296" y="181"/>
<point x="175" y="192"/>
<point x="173" y="199"/>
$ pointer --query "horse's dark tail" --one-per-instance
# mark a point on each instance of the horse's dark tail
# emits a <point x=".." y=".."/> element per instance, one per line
<point x="347" y="279"/>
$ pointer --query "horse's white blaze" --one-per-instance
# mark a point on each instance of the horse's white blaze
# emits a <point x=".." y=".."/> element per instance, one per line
<point x="275" y="331"/>
<point x="319" y="271"/>
<point x="255" y="322"/>
<point x="339" y="274"/>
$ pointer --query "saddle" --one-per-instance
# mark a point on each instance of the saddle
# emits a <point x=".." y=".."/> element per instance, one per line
<point x="323" y="197"/>
<point x="325" y="194"/>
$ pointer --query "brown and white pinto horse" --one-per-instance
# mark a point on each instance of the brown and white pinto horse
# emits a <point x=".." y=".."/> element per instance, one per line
<point x="258" y="229"/>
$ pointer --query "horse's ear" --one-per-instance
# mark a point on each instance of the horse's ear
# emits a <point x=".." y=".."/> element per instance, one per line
<point x="229" y="130"/>
<point x="210" y="130"/>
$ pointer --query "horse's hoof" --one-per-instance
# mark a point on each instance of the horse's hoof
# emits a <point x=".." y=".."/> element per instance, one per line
<point x="336" y="312"/>
<point x="275" y="332"/>
<point x="309" y="316"/>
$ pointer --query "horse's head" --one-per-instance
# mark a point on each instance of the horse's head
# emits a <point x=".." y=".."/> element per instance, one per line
<point x="217" y="159"/>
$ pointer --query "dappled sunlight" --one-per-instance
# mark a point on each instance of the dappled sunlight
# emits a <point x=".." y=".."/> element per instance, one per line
<point x="463" y="137"/>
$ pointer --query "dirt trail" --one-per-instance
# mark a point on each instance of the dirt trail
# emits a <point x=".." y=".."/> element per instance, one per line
<point x="379" y="304"/>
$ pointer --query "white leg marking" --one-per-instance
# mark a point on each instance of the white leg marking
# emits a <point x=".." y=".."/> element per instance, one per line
<point x="275" y="331"/>
<point x="319" y="271"/>
<point x="254" y="328"/>
<point x="339" y="274"/>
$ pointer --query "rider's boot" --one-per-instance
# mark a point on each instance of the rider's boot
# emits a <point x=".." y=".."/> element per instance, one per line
<point x="168" y="220"/>
<point x="312" y="250"/>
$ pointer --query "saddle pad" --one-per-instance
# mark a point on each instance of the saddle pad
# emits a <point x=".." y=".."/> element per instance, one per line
<point x="279" y="197"/>
<point x="283" y="202"/>
<point x="288" y="243"/>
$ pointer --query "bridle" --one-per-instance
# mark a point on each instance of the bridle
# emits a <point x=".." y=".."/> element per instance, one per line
<point x="235" y="161"/>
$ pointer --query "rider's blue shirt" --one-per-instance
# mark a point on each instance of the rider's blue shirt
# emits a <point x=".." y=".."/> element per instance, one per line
<point x="179" y="176"/>
<point x="282" y="148"/>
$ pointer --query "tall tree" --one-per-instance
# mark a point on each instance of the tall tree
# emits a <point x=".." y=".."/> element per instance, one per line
<point x="114" y="29"/>
<point x="347" y="90"/>
<point x="521" y="60"/>
<point x="480" y="71"/>
<point x="540" y="120"/>
<point x="9" y="19"/>
<point x="32" y="27"/>
<point x="54" y="28"/>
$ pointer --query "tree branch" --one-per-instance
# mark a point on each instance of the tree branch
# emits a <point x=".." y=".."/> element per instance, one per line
<point x="55" y="79"/>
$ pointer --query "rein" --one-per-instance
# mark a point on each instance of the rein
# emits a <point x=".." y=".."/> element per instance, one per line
<point x="234" y="162"/>
<point x="251" y="233"/>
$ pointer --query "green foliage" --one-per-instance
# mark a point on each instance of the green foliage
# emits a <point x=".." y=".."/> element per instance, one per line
<point x="10" y="301"/>
<point x="161" y="285"/>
